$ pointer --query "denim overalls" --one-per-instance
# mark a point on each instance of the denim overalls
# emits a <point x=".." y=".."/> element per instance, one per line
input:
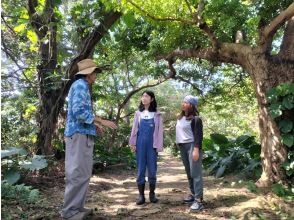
<point x="146" y="154"/>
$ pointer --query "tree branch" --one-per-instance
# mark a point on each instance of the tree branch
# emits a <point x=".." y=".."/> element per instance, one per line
<point x="200" y="9"/>
<point x="287" y="46"/>
<point x="189" y="7"/>
<point x="93" y="38"/>
<point x="188" y="82"/>
<point x="171" y="61"/>
<point x="32" y="6"/>
<point x="130" y="94"/>
<point x="267" y="32"/>
<point x="128" y="72"/>
<point x="204" y="27"/>
<point x="134" y="91"/>
<point x="39" y="22"/>
<point x="7" y="25"/>
<point x="228" y="52"/>
<point x="11" y="56"/>
<point x="89" y="46"/>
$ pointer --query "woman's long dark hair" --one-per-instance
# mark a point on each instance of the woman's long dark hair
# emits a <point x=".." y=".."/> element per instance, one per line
<point x="192" y="112"/>
<point x="153" y="104"/>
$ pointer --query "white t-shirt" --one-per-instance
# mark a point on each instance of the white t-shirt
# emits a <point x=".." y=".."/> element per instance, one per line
<point x="184" y="132"/>
<point x="146" y="114"/>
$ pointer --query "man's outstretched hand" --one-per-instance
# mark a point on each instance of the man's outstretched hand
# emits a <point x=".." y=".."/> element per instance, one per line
<point x="106" y="123"/>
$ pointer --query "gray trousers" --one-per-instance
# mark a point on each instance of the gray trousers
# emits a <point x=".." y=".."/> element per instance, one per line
<point x="78" y="171"/>
<point x="193" y="169"/>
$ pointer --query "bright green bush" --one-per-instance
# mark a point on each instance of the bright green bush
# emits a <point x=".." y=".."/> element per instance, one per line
<point x="20" y="192"/>
<point x="281" y="99"/>
<point x="223" y="156"/>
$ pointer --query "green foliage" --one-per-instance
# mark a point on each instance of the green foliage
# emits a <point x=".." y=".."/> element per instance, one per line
<point x="284" y="192"/>
<point x="104" y="157"/>
<point x="289" y="166"/>
<point x="281" y="100"/>
<point x="18" y="125"/>
<point x="219" y="139"/>
<point x="11" y="175"/>
<point x="232" y="17"/>
<point x="15" y="160"/>
<point x="12" y="151"/>
<point x="252" y="187"/>
<point x="38" y="162"/>
<point x="224" y="156"/>
<point x="21" y="193"/>
<point x="230" y="106"/>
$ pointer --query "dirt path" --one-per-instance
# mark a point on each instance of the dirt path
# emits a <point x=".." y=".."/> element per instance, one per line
<point x="113" y="194"/>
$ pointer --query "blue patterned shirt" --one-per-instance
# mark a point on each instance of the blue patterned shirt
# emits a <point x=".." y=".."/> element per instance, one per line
<point x="80" y="116"/>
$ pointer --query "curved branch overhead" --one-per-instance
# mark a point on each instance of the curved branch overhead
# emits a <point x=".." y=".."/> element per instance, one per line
<point x="228" y="53"/>
<point x="287" y="46"/>
<point x="267" y="32"/>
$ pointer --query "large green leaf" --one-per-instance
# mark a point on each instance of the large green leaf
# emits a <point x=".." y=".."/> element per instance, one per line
<point x="38" y="162"/>
<point x="213" y="166"/>
<point x="272" y="95"/>
<point x="291" y="88"/>
<point x="288" y="101"/>
<point x="285" y="126"/>
<point x="227" y="160"/>
<point x="255" y="150"/>
<point x="245" y="140"/>
<point x="207" y="144"/>
<point x="220" y="171"/>
<point x="289" y="167"/>
<point x="283" y="89"/>
<point x="288" y="139"/>
<point x="13" y="151"/>
<point x="11" y="176"/>
<point x="219" y="139"/>
<point x="276" y="110"/>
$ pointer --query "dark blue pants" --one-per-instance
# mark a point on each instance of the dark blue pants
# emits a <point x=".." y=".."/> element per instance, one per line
<point x="146" y="154"/>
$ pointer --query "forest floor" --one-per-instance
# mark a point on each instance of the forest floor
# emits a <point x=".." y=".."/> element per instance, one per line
<point x="113" y="192"/>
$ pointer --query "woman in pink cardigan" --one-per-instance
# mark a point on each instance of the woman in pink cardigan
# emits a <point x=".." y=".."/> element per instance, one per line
<point x="147" y="140"/>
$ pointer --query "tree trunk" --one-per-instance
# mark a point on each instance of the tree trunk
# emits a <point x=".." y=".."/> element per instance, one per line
<point x="266" y="74"/>
<point x="51" y="94"/>
<point x="46" y="118"/>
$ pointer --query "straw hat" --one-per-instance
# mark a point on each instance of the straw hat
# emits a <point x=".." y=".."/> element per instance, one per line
<point x="86" y="66"/>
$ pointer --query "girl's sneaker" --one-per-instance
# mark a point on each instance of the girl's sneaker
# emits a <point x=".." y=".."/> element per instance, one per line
<point x="196" y="206"/>
<point x="189" y="199"/>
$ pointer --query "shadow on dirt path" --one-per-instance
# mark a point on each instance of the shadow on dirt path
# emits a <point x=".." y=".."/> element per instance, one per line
<point x="113" y="194"/>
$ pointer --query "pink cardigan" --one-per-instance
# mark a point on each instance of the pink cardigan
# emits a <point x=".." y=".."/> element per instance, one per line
<point x="158" y="131"/>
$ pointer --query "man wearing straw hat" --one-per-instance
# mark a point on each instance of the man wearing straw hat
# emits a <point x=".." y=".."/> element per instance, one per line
<point x="81" y="128"/>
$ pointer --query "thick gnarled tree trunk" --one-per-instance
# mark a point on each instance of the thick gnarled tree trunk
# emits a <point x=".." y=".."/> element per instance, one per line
<point x="45" y="27"/>
<point x="51" y="94"/>
<point x="266" y="74"/>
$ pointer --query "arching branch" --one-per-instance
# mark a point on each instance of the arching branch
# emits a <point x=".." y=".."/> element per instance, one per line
<point x="189" y="82"/>
<point x="267" y="32"/>
<point x="287" y="46"/>
<point x="228" y="53"/>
